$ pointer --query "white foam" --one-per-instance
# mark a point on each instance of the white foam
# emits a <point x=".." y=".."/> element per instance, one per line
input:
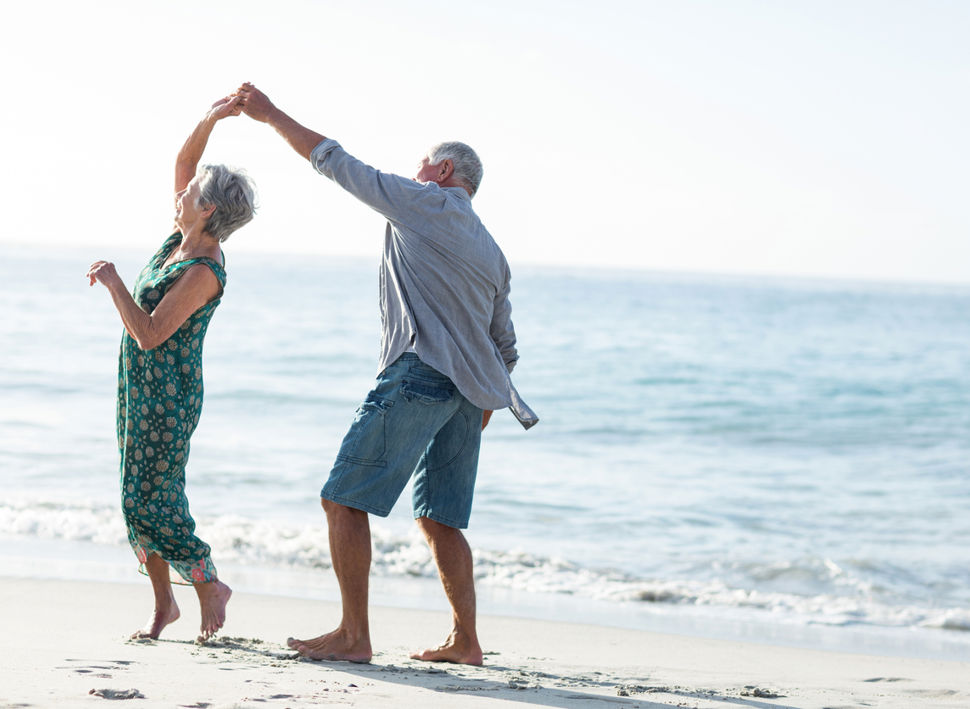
<point x="266" y="545"/>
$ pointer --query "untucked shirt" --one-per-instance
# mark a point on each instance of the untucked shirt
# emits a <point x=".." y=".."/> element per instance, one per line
<point x="444" y="282"/>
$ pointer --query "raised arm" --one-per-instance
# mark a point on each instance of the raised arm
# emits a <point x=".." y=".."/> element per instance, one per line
<point x="188" y="158"/>
<point x="397" y="198"/>
<point x="257" y="106"/>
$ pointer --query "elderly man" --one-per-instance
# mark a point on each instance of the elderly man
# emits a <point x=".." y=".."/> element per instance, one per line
<point x="447" y="348"/>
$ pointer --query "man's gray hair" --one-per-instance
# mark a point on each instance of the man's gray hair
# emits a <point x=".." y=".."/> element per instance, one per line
<point x="233" y="194"/>
<point x="468" y="167"/>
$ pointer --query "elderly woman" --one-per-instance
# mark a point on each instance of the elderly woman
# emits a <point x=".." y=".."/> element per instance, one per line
<point x="160" y="375"/>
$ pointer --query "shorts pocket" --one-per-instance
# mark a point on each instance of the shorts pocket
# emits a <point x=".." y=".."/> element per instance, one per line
<point x="366" y="441"/>
<point x="427" y="391"/>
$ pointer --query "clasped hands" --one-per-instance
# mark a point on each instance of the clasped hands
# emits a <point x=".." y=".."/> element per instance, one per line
<point x="246" y="99"/>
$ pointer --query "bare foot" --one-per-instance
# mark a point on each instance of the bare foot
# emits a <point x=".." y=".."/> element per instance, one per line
<point x="338" y="645"/>
<point x="213" y="597"/>
<point x="160" y="617"/>
<point x="460" y="649"/>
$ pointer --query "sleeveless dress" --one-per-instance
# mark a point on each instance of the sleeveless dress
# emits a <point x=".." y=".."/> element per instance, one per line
<point x="159" y="403"/>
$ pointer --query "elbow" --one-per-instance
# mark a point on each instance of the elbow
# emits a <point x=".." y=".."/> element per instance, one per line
<point x="146" y="343"/>
<point x="147" y="340"/>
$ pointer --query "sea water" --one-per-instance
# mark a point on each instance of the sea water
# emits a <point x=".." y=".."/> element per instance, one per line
<point x="761" y="457"/>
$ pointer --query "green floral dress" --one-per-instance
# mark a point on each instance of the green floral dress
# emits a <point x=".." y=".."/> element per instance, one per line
<point x="159" y="403"/>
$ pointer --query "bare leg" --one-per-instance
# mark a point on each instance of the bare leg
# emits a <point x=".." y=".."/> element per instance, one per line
<point x="454" y="559"/>
<point x="166" y="610"/>
<point x="213" y="597"/>
<point x="351" y="554"/>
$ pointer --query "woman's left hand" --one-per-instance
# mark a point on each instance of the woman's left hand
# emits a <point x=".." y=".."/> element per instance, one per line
<point x="226" y="106"/>
<point x="103" y="272"/>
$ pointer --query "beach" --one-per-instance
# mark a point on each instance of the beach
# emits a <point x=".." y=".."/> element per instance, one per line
<point x="65" y="644"/>
<point x="743" y="492"/>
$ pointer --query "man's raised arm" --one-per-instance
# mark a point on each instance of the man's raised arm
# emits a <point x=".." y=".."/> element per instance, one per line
<point x="257" y="106"/>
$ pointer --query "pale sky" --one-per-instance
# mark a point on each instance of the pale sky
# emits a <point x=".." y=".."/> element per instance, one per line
<point x="768" y="137"/>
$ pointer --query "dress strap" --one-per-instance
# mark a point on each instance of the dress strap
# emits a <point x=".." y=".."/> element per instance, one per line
<point x="216" y="267"/>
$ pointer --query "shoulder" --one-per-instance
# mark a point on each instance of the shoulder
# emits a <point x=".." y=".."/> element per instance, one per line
<point x="203" y="275"/>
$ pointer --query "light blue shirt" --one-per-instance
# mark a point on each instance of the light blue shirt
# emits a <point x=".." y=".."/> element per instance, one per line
<point x="444" y="282"/>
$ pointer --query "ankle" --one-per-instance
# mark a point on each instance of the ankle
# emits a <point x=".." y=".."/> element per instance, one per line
<point x="164" y="603"/>
<point x="355" y="636"/>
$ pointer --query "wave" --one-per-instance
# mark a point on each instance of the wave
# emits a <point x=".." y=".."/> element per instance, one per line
<point x="273" y="545"/>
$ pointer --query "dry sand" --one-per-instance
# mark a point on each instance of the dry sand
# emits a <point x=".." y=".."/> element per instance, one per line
<point x="64" y="644"/>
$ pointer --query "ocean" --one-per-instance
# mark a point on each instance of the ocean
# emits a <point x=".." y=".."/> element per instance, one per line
<point x="767" y="459"/>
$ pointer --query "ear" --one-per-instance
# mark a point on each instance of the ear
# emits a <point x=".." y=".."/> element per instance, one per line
<point x="208" y="211"/>
<point x="446" y="170"/>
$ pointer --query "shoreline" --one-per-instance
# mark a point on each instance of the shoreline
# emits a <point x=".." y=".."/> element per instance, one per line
<point x="64" y="638"/>
<point x="87" y="562"/>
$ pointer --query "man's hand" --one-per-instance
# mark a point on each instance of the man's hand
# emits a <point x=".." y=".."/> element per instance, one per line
<point x="254" y="102"/>
<point x="257" y="106"/>
<point x="486" y="415"/>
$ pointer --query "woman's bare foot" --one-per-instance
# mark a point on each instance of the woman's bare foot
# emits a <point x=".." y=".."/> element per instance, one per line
<point x="213" y="597"/>
<point x="161" y="616"/>
<point x="460" y="649"/>
<point x="337" y="645"/>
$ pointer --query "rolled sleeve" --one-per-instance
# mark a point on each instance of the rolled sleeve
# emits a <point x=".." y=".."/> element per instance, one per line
<point x="319" y="154"/>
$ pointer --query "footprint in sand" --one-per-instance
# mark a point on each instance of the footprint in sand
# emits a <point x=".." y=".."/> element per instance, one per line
<point x="117" y="693"/>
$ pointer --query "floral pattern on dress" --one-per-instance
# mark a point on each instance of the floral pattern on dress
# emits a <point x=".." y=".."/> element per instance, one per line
<point x="159" y="404"/>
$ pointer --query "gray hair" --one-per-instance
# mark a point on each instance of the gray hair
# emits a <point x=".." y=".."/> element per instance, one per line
<point x="233" y="194"/>
<point x="468" y="166"/>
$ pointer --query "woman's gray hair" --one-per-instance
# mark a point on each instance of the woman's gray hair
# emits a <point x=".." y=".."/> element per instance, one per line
<point x="233" y="194"/>
<point x="468" y="167"/>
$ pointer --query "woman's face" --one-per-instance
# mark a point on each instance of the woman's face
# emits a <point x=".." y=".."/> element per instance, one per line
<point x="187" y="209"/>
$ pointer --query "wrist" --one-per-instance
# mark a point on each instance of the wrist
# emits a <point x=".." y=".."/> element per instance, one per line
<point x="115" y="286"/>
<point x="275" y="117"/>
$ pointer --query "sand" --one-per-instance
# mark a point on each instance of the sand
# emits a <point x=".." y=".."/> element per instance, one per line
<point x="64" y="644"/>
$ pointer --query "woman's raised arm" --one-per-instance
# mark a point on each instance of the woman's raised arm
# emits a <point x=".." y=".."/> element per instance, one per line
<point x="188" y="158"/>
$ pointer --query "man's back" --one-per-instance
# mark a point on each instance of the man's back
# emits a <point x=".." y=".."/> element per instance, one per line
<point x="444" y="280"/>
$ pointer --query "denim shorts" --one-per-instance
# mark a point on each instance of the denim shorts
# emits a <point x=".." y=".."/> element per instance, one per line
<point x="414" y="422"/>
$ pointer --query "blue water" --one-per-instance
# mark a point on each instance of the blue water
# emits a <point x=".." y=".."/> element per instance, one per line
<point x="787" y="452"/>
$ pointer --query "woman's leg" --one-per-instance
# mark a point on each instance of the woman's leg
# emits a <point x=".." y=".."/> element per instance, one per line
<point x="166" y="610"/>
<point x="195" y="565"/>
<point x="213" y="597"/>
<point x="158" y="518"/>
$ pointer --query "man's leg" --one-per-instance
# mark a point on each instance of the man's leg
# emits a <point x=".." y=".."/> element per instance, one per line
<point x="410" y="402"/>
<point x="350" y="553"/>
<point x="454" y="559"/>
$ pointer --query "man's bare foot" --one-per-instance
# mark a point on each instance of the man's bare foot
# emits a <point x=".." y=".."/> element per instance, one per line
<point x="338" y="646"/>
<point x="213" y="597"/>
<point x="459" y="649"/>
<point x="160" y="617"/>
